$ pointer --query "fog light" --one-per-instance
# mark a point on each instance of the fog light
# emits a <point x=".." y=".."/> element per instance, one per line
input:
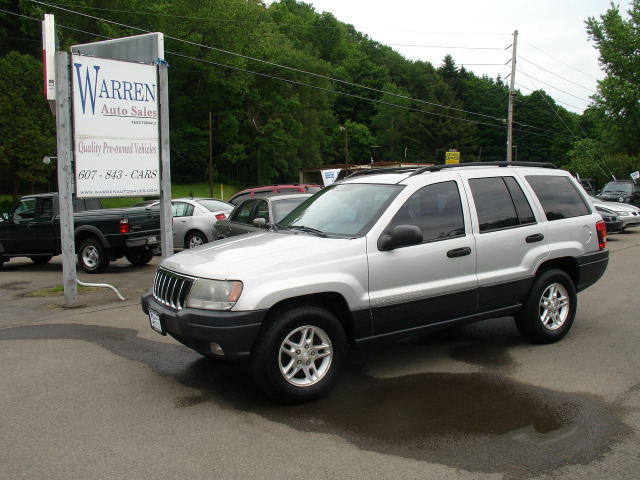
<point x="216" y="349"/>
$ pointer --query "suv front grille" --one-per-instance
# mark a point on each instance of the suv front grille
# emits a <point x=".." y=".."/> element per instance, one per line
<point x="171" y="289"/>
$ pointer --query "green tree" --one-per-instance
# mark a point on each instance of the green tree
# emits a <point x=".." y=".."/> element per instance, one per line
<point x="26" y="123"/>
<point x="618" y="97"/>
<point x="391" y="121"/>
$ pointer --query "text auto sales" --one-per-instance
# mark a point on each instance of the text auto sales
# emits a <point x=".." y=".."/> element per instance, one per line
<point x="93" y="88"/>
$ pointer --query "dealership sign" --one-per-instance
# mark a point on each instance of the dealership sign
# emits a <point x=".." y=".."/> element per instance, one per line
<point x="116" y="140"/>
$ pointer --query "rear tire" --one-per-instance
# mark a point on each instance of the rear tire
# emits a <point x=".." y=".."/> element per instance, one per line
<point x="92" y="256"/>
<point x="298" y="354"/>
<point x="195" y="239"/>
<point x="550" y="308"/>
<point x="139" y="257"/>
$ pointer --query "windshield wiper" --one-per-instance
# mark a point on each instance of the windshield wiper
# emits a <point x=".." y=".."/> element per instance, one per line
<point x="302" y="228"/>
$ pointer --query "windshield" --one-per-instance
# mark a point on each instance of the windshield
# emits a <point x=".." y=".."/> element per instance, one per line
<point x="342" y="209"/>
<point x="617" y="187"/>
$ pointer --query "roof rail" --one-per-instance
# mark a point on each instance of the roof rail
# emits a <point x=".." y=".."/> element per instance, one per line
<point x="382" y="170"/>
<point x="437" y="168"/>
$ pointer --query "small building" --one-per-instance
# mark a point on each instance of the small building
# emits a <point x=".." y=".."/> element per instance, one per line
<point x="315" y="175"/>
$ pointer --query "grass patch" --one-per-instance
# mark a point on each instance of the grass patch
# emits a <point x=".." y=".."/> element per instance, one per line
<point x="56" y="291"/>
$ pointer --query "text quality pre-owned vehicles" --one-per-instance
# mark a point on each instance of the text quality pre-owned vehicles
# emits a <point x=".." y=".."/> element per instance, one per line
<point x="32" y="229"/>
<point x="257" y="213"/>
<point x="384" y="254"/>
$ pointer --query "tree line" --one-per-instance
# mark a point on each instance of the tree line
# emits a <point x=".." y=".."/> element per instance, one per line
<point x="288" y="87"/>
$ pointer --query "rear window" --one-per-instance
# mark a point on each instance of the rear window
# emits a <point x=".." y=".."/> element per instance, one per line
<point x="559" y="197"/>
<point x="500" y="203"/>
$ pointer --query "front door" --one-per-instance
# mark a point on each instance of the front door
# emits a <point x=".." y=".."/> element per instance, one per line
<point x="431" y="282"/>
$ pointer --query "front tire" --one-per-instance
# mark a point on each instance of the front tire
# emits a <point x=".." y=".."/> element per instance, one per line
<point x="550" y="308"/>
<point x="92" y="256"/>
<point x="299" y="353"/>
<point x="139" y="257"/>
<point x="194" y="239"/>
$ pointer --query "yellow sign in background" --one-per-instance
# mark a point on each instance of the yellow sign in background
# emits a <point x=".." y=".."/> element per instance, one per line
<point x="451" y="157"/>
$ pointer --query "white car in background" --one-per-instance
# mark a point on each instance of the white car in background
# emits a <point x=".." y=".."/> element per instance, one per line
<point x="629" y="214"/>
<point x="193" y="219"/>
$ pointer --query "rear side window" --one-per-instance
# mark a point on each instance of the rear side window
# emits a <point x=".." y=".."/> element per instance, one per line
<point x="500" y="203"/>
<point x="559" y="197"/>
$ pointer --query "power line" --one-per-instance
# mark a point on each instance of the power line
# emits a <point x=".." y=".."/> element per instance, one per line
<point x="555" y="88"/>
<point x="246" y="57"/>
<point x="560" y="61"/>
<point x="300" y="71"/>
<point x="556" y="75"/>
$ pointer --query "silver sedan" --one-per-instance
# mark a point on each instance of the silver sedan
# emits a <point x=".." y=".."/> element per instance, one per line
<point x="193" y="219"/>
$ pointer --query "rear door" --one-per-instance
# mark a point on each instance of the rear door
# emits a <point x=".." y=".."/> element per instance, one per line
<point x="435" y="280"/>
<point x="511" y="241"/>
<point x="182" y="214"/>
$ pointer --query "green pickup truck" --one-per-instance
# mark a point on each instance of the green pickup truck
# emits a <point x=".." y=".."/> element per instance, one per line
<point x="32" y="229"/>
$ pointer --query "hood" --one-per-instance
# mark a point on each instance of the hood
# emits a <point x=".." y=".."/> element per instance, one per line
<point x="236" y="257"/>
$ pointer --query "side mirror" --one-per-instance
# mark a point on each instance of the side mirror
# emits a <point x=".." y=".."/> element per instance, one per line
<point x="6" y="217"/>
<point x="260" y="223"/>
<point x="400" y="236"/>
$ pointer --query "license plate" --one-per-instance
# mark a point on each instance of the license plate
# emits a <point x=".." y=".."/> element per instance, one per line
<point x="156" y="322"/>
<point x="152" y="239"/>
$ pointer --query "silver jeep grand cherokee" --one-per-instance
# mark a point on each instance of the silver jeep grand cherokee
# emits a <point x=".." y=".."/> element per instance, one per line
<point x="385" y="253"/>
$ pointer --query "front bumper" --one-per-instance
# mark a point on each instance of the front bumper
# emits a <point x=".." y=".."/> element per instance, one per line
<point x="234" y="332"/>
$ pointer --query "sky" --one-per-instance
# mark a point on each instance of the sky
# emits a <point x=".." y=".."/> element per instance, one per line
<point x="554" y="52"/>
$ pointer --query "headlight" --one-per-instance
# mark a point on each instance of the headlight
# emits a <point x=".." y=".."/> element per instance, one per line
<point x="214" y="294"/>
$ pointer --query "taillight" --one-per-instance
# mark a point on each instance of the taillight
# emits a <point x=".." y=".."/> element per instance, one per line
<point x="220" y="216"/>
<point x="601" y="228"/>
<point x="124" y="225"/>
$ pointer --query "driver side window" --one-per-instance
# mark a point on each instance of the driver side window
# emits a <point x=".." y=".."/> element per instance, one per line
<point x="436" y="209"/>
<point x="25" y="209"/>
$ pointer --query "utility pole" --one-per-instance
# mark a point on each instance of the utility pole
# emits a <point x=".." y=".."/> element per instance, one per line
<point x="210" y="159"/>
<point x="346" y="145"/>
<point x="512" y="94"/>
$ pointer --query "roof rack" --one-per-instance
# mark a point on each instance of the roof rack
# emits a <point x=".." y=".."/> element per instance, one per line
<point x="382" y="170"/>
<point x="437" y="168"/>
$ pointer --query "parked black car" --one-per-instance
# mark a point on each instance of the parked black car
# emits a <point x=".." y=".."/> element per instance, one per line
<point x="611" y="219"/>
<point x="623" y="191"/>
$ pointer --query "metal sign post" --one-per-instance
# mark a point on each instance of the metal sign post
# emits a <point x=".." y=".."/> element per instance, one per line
<point x="65" y="174"/>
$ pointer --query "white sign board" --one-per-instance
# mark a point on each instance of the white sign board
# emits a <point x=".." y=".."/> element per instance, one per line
<point x="330" y="176"/>
<point x="115" y="116"/>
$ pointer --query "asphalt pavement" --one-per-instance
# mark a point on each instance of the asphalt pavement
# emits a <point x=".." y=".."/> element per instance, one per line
<point x="90" y="391"/>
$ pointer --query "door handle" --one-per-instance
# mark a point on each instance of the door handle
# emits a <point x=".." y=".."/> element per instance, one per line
<point x="538" y="237"/>
<point x="459" y="252"/>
